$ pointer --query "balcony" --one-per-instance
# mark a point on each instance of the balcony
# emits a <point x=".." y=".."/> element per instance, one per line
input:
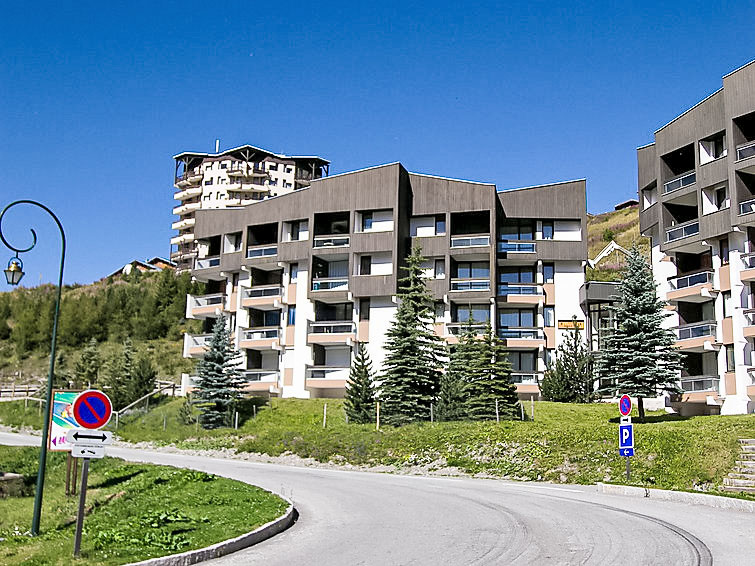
<point x="260" y="379"/>
<point x="470" y="285"/>
<point x="181" y="239"/>
<point x="245" y="170"/>
<point x="187" y="193"/>
<point x="749" y="328"/>
<point x="327" y="376"/>
<point x="696" y="337"/>
<point x="524" y="293"/>
<point x="207" y="262"/>
<point x="695" y="288"/>
<point x="195" y="345"/>
<point x="185" y="223"/>
<point x="259" y="338"/>
<point x="745" y="150"/>
<point x="525" y="377"/>
<point x="475" y="241"/>
<point x="331" y="332"/>
<point x="683" y="180"/>
<point x="747" y="207"/>
<point x="516" y="247"/>
<point x="700" y="383"/>
<point x="459" y="328"/>
<point x="265" y="250"/>
<point x="189" y="178"/>
<point x="331" y="241"/>
<point x="262" y="296"/>
<point x="526" y="338"/>
<point x="685" y="230"/>
<point x="185" y="208"/>
<point x="203" y="306"/>
<point x="330" y="284"/>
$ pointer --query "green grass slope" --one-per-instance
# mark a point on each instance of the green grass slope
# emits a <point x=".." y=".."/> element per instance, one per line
<point x="622" y="226"/>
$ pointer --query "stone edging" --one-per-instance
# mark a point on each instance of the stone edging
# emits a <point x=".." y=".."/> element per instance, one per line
<point x="680" y="496"/>
<point x="227" y="546"/>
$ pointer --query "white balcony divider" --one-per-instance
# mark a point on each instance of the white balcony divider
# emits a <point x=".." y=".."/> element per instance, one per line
<point x="505" y="289"/>
<point x="683" y="180"/>
<point x="470" y="241"/>
<point x="207" y="262"/>
<point x="331" y="241"/>
<point x="262" y="251"/>
<point x="516" y="247"/>
<point x="332" y="327"/>
<point x="700" y="383"/>
<point x="683" y="231"/>
<point x="691" y="280"/>
<point x="470" y="284"/>
<point x="330" y="284"/>
<point x="696" y="330"/>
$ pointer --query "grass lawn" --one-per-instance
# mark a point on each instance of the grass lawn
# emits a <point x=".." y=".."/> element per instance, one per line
<point x="565" y="443"/>
<point x="135" y="511"/>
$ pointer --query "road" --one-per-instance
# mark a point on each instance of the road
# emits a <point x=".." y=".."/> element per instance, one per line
<point x="360" y="518"/>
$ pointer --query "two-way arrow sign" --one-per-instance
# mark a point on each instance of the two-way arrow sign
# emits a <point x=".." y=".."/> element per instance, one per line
<point x="84" y="437"/>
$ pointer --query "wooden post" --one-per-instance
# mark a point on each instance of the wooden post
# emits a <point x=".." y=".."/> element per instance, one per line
<point x="80" y="515"/>
<point x="377" y="416"/>
<point x="75" y="475"/>
<point x="324" y="415"/>
<point x="68" y="474"/>
<point x="497" y="416"/>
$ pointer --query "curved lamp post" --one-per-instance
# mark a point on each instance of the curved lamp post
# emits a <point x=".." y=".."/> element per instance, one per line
<point x="13" y="275"/>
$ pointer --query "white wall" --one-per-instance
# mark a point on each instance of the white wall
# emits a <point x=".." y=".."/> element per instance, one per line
<point x="568" y="230"/>
<point x="382" y="312"/>
<point x="382" y="264"/>
<point x="382" y="221"/>
<point x="569" y="277"/>
<point x="422" y="226"/>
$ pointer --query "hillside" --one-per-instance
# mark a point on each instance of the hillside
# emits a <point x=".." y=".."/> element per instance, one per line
<point x="622" y="226"/>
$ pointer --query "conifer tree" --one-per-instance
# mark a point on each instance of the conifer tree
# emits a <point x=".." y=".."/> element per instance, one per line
<point x="639" y="355"/>
<point x="142" y="380"/>
<point x="411" y="376"/>
<point x="359" y="400"/>
<point x="120" y="372"/>
<point x="218" y="379"/>
<point x="570" y="379"/>
<point x="87" y="367"/>
<point x="464" y="365"/>
<point x="491" y="381"/>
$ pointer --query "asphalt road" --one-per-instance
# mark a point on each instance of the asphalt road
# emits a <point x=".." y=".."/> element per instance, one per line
<point x="355" y="518"/>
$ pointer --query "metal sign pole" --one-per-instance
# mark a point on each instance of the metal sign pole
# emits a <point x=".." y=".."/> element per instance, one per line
<point x="628" y="468"/>
<point x="82" y="501"/>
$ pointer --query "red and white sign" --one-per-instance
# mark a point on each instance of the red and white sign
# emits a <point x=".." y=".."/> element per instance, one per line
<point x="625" y="405"/>
<point x="92" y="409"/>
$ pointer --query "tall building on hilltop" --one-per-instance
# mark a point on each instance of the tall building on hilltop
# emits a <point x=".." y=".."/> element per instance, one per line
<point x="696" y="185"/>
<point x="303" y="277"/>
<point x="236" y="177"/>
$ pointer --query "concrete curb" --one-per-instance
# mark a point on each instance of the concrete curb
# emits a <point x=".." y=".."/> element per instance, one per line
<point x="680" y="496"/>
<point x="227" y="546"/>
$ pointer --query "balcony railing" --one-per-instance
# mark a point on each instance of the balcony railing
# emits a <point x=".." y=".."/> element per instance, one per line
<point x="457" y="328"/>
<point x="264" y="250"/>
<point x="747" y="206"/>
<point x="748" y="260"/>
<point x="246" y="170"/>
<point x="691" y="280"/>
<point x="700" y="383"/>
<point x="522" y="332"/>
<point x="470" y="241"/>
<point x="260" y="333"/>
<point x="266" y="375"/>
<point x="745" y="150"/>
<point x="682" y="231"/>
<point x="505" y="289"/>
<point x="330" y="284"/>
<point x="332" y="327"/>
<point x="470" y="284"/>
<point x="213" y="300"/>
<point x="331" y="241"/>
<point x="516" y="247"/>
<point x="207" y="262"/>
<point x="527" y="377"/>
<point x="327" y="372"/>
<point x="192" y="341"/>
<point x="749" y="317"/>
<point x="679" y="182"/>
<point x="262" y="291"/>
<point x="696" y="330"/>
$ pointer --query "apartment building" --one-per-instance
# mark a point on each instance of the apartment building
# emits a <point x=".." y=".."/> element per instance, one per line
<point x="303" y="277"/>
<point x="696" y="185"/>
<point x="236" y="177"/>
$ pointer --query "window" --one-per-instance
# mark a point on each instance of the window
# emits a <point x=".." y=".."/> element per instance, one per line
<point x="517" y="275"/>
<point x="547" y="229"/>
<point x="517" y="230"/>
<point x="440" y="309"/>
<point x="224" y="166"/>
<point x="272" y="318"/>
<point x="472" y="270"/>
<point x="221" y="180"/>
<point x="722" y="198"/>
<point x="522" y="362"/>
<point x="477" y="313"/>
<point x="295" y="229"/>
<point x="288" y="169"/>
<point x="208" y="181"/>
<point x="365" y="265"/>
<point x="440" y="224"/>
<point x="549" y="316"/>
<point x="273" y="167"/>
<point x="366" y="221"/>
<point x="723" y="250"/>
<point x="294" y="272"/>
<point x="364" y="309"/>
<point x="549" y="272"/>
<point x="291" y="315"/>
<point x="440" y="269"/>
<point x="730" y="358"/>
<point x="550" y="357"/>
<point x="726" y="298"/>
<point x="287" y="185"/>
<point x="516" y="318"/>
<point x="273" y="182"/>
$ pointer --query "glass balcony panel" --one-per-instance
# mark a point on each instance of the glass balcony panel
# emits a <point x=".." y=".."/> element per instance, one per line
<point x="700" y="383"/>
<point x="331" y="327"/>
<point x="524" y="377"/>
<point x="469" y="241"/>
<point x="691" y="280"/>
<point x="696" y="330"/>
<point x="262" y="291"/>
<point x="679" y="182"/>
<point x="331" y="284"/>
<point x="331" y="241"/>
<point x="259" y="334"/>
<point x="746" y="150"/>
<point x="516" y="247"/>
<point x="683" y="231"/>
<point x="261" y="251"/>
<point x="529" y="333"/>
<point x="470" y="284"/>
<point x="519" y="289"/>
<point x="207" y="262"/>
<point x="747" y="207"/>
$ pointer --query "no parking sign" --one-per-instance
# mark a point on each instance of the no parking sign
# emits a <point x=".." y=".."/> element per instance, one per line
<point x="92" y="409"/>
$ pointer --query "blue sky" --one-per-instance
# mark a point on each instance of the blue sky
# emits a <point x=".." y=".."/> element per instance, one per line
<point x="94" y="99"/>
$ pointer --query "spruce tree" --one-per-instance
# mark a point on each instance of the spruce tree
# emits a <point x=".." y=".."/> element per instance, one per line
<point x="639" y="355"/>
<point x="119" y="373"/>
<point x="218" y="379"/>
<point x="359" y="400"/>
<point x="142" y="379"/>
<point x="464" y="366"/>
<point x="491" y="381"/>
<point x="411" y="376"/>
<point x="570" y="379"/>
<point x="87" y="367"/>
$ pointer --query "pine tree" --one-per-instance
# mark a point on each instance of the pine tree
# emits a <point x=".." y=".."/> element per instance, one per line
<point x="570" y="379"/>
<point x="120" y="372"/>
<point x="639" y="355"/>
<point x="142" y="380"/>
<point x="491" y="381"/>
<point x="411" y="377"/>
<point x="464" y="366"/>
<point x="359" y="400"/>
<point x="218" y="380"/>
<point x="87" y="367"/>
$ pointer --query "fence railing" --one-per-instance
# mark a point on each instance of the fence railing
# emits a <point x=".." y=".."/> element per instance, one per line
<point x="330" y="284"/>
<point x="262" y="291"/>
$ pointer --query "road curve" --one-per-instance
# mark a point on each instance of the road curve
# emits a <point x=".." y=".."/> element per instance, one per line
<point x="358" y="518"/>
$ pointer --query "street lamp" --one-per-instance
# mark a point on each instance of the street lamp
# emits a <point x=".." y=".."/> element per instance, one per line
<point x="13" y="274"/>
